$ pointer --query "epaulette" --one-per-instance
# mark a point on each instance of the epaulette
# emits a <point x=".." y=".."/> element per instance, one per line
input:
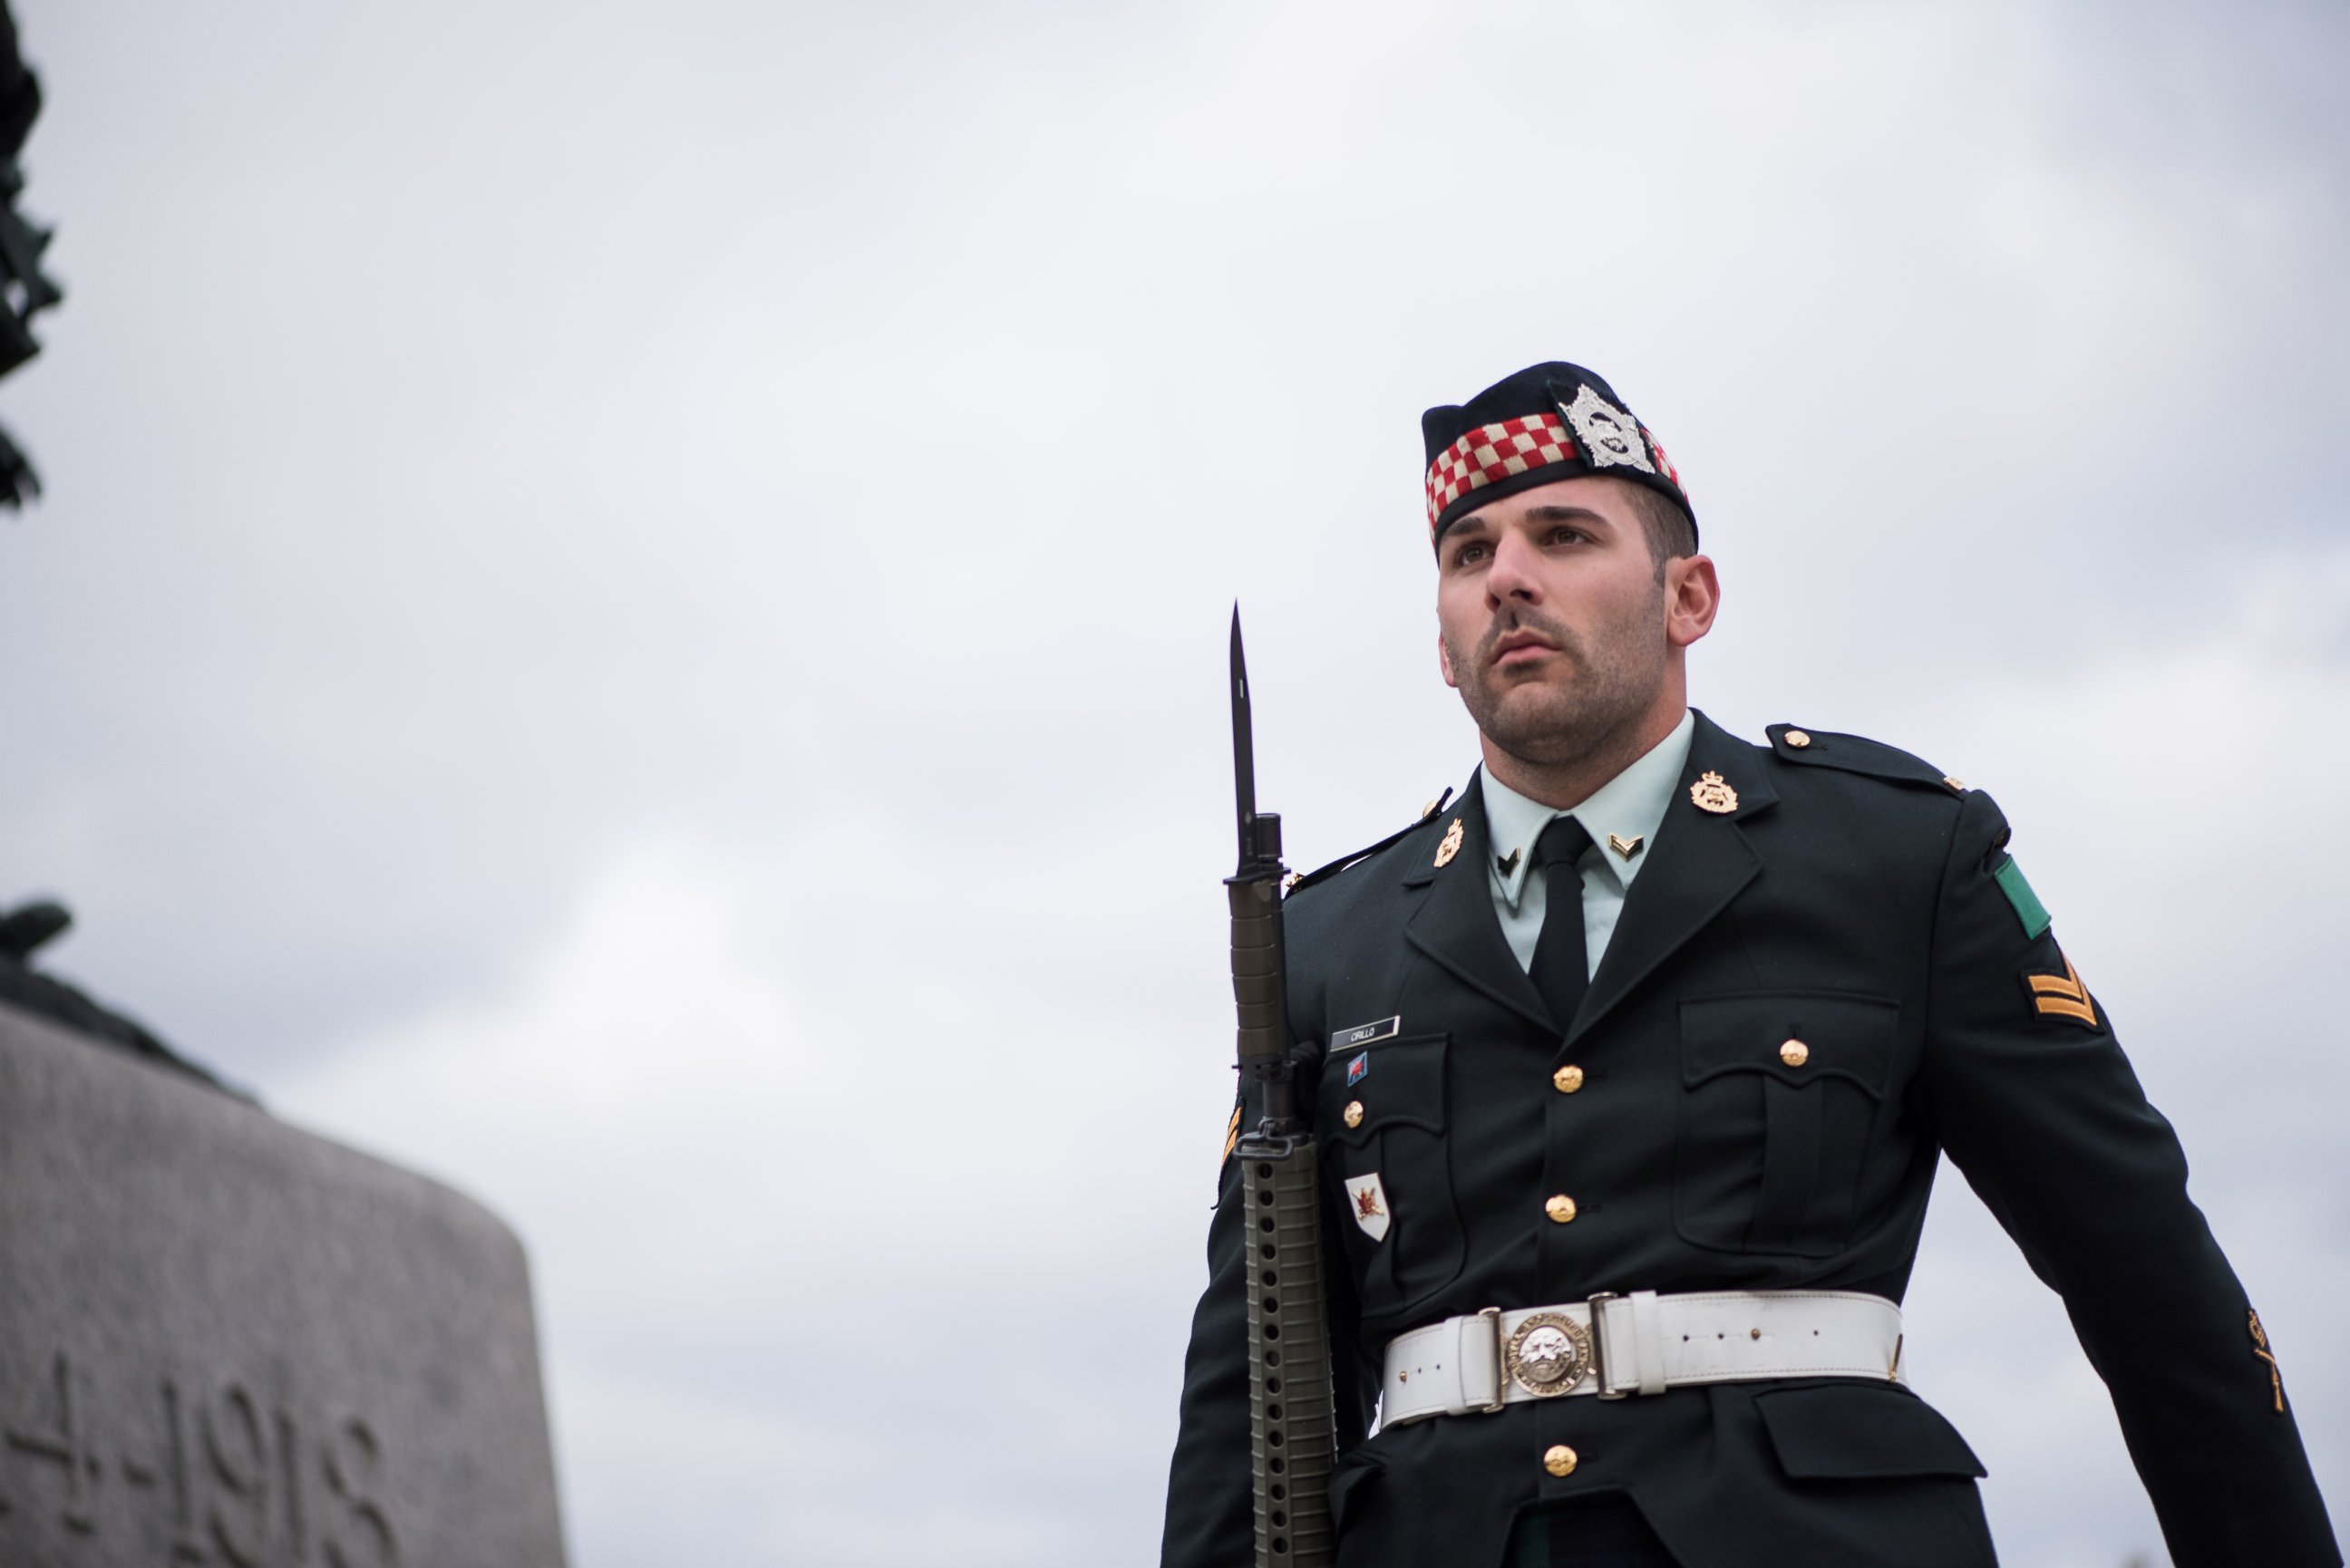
<point x="1857" y="754"/>
<point x="1298" y="884"/>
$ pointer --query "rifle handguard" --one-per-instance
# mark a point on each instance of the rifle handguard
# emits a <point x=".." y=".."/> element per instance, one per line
<point x="1292" y="1435"/>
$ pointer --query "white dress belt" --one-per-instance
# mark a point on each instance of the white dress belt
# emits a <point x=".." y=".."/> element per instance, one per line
<point x="1641" y="1343"/>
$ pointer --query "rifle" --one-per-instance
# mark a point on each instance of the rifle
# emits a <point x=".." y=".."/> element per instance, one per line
<point x="1292" y="1422"/>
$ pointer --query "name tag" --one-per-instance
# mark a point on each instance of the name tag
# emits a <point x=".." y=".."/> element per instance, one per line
<point x="1366" y="1033"/>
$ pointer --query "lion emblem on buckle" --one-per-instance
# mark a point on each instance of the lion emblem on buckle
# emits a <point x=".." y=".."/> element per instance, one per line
<point x="1549" y="1354"/>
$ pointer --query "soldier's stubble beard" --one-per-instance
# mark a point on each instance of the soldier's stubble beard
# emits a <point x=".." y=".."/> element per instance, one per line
<point x="1616" y="667"/>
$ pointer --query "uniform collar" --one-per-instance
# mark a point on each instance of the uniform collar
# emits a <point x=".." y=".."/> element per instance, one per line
<point x="1627" y="809"/>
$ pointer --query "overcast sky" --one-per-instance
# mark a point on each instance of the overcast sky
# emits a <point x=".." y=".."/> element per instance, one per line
<point x="631" y="612"/>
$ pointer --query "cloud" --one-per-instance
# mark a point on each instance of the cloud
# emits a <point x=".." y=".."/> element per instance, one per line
<point x="795" y="1238"/>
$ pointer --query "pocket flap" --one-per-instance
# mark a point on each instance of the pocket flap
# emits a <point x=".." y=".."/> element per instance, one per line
<point x="1401" y="1084"/>
<point x="1849" y="1431"/>
<point x="1796" y="1036"/>
<point x="1353" y="1469"/>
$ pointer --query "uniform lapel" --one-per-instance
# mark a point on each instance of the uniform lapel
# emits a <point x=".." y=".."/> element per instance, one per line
<point x="1455" y="924"/>
<point x="1701" y="861"/>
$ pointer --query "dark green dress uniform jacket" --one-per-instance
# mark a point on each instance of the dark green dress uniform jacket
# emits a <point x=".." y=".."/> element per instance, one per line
<point x="1851" y="900"/>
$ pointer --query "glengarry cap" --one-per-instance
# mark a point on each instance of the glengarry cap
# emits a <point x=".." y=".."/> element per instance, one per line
<point x="1548" y="422"/>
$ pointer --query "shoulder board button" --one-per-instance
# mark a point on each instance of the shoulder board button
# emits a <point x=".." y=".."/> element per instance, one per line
<point x="1856" y="754"/>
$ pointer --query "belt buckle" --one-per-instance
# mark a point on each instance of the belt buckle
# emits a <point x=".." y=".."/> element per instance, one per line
<point x="1598" y="1306"/>
<point x="1491" y="1318"/>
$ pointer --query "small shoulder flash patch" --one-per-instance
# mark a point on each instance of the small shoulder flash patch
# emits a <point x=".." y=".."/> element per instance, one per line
<point x="1232" y="1135"/>
<point x="1296" y="884"/>
<point x="2028" y="907"/>
<point x="1856" y="754"/>
<point x="2062" y="996"/>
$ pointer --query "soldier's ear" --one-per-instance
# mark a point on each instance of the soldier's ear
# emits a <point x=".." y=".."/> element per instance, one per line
<point x="1692" y="598"/>
<point x="1444" y="661"/>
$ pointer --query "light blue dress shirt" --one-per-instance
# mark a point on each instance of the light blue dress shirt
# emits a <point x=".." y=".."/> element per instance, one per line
<point x="1626" y="810"/>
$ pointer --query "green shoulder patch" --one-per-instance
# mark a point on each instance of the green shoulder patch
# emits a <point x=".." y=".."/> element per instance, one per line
<point x="2028" y="907"/>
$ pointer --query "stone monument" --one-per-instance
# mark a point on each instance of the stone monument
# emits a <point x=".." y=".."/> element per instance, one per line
<point x="225" y="1342"/>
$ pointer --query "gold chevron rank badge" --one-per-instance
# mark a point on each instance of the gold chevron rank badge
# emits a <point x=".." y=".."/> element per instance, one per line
<point x="2062" y="996"/>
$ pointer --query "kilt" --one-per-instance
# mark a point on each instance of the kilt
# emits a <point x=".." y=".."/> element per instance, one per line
<point x="1604" y="1532"/>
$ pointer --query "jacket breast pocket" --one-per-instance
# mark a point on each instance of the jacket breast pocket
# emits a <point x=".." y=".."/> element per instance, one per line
<point x="1382" y="1110"/>
<point x="1781" y="1093"/>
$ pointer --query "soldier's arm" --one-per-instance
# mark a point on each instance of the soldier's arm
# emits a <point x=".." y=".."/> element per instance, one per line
<point x="1210" y="1494"/>
<point x="2029" y="1092"/>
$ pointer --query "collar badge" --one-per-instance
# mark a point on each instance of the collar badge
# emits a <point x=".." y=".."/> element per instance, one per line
<point x="1627" y="848"/>
<point x="1452" y="844"/>
<point x="1712" y="793"/>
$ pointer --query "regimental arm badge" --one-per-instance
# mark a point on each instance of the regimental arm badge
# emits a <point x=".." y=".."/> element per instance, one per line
<point x="1367" y="1200"/>
<point x="1232" y="1135"/>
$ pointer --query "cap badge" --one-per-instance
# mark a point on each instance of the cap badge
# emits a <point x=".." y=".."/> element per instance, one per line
<point x="1368" y="1203"/>
<point x="1452" y="844"/>
<point x="1608" y="436"/>
<point x="1712" y="793"/>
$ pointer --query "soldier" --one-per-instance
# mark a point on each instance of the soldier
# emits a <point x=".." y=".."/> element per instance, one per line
<point x="1632" y="1069"/>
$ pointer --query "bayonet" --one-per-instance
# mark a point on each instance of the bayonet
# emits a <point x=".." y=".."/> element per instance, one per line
<point x="1258" y="978"/>
<point x="1244" y="745"/>
<point x="1292" y="1421"/>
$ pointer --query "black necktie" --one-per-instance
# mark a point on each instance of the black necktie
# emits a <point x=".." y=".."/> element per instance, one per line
<point x="1560" y="968"/>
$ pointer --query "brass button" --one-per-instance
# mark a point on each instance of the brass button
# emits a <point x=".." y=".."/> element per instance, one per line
<point x="1559" y="1459"/>
<point x="1795" y="1053"/>
<point x="1561" y="1208"/>
<point x="1567" y="1079"/>
<point x="1798" y="740"/>
<point x="1354" y="1113"/>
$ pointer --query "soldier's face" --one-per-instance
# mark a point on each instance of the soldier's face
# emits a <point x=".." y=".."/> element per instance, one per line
<point x="1553" y="618"/>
